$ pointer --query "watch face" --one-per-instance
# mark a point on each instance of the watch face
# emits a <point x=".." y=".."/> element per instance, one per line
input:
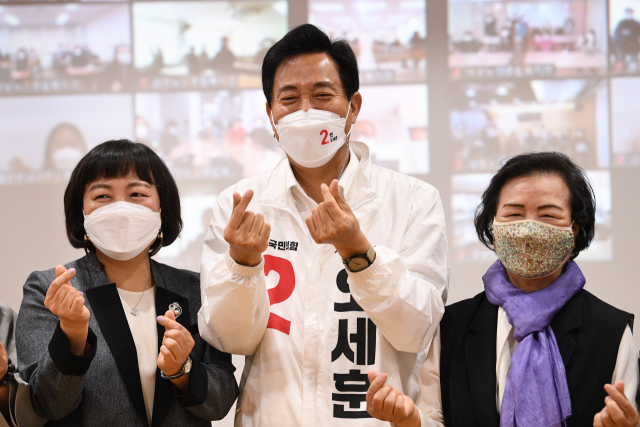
<point x="358" y="263"/>
<point x="187" y="366"/>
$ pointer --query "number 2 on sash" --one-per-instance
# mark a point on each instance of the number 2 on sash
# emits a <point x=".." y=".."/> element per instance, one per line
<point x="282" y="291"/>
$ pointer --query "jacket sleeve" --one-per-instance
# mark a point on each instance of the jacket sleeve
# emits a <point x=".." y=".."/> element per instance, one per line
<point x="627" y="367"/>
<point x="212" y="385"/>
<point x="45" y="360"/>
<point x="404" y="292"/>
<point x="235" y="304"/>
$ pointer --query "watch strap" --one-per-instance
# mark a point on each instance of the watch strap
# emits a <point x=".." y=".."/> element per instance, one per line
<point x="371" y="254"/>
<point x="182" y="373"/>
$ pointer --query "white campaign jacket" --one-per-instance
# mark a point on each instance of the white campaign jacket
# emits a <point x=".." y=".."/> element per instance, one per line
<point x="310" y="330"/>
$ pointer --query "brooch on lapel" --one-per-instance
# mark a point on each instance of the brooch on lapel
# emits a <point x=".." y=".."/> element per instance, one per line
<point x="175" y="307"/>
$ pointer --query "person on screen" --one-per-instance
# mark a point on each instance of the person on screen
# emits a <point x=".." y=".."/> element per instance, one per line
<point x="223" y="61"/>
<point x="468" y="44"/>
<point x="490" y="25"/>
<point x="192" y="61"/>
<point x="118" y="75"/>
<point x="626" y="38"/>
<point x="64" y="149"/>
<point x="326" y="266"/>
<point x="534" y="348"/>
<point x="110" y="339"/>
<point x="169" y="139"/>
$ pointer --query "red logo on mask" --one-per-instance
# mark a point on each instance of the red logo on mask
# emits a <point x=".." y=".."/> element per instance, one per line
<point x="326" y="134"/>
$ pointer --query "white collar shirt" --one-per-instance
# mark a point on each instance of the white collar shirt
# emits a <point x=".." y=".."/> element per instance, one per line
<point x="306" y="204"/>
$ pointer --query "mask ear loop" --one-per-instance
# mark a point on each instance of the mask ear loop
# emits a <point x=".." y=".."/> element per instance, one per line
<point x="87" y="252"/>
<point x="346" y="153"/>
<point x="276" y="128"/>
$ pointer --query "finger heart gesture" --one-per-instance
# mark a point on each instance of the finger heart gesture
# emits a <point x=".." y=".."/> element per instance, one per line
<point x="67" y="303"/>
<point x="333" y="222"/>
<point x="176" y="345"/>
<point x="387" y="403"/>
<point x="618" y="411"/>
<point x="247" y="233"/>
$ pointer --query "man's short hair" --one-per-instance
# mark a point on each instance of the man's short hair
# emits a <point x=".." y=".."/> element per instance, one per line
<point x="308" y="39"/>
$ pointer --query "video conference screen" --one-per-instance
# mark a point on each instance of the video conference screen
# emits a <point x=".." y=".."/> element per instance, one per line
<point x="184" y="78"/>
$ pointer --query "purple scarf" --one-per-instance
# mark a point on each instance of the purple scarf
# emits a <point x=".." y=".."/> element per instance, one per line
<point x="536" y="393"/>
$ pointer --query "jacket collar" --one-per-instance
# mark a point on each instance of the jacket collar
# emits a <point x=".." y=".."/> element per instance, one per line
<point x="107" y="309"/>
<point x="359" y="194"/>
<point x="480" y="356"/>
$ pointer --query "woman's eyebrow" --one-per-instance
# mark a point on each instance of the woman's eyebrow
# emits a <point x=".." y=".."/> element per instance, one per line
<point x="513" y="205"/>
<point x="139" y="184"/>
<point x="550" y="206"/>
<point x="99" y="186"/>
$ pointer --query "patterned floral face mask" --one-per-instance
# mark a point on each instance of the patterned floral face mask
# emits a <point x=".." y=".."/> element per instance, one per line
<point x="532" y="249"/>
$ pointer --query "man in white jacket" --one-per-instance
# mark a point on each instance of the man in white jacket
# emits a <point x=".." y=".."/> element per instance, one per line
<point x="326" y="267"/>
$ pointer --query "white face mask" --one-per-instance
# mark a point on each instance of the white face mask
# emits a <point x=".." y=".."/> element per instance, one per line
<point x="122" y="230"/>
<point x="311" y="138"/>
<point x="65" y="159"/>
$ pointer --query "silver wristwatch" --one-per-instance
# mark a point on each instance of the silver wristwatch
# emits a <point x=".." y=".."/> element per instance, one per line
<point x="186" y="368"/>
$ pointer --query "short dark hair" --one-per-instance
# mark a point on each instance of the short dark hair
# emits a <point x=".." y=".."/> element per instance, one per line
<point x="583" y="201"/>
<point x="307" y="39"/>
<point x="120" y="158"/>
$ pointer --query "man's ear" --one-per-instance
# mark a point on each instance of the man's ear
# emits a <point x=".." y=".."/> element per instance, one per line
<point x="356" y="105"/>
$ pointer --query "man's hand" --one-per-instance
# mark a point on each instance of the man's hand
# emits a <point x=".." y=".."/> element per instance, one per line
<point x="67" y="303"/>
<point x="387" y="403"/>
<point x="618" y="411"/>
<point x="247" y="233"/>
<point x="333" y="222"/>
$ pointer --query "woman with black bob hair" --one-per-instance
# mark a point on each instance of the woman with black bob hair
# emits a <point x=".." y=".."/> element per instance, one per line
<point x="534" y="349"/>
<point x="107" y="339"/>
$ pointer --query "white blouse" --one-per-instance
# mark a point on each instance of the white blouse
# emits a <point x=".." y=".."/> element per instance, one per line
<point x="145" y="336"/>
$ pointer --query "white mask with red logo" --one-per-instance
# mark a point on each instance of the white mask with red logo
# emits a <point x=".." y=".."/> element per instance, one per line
<point x="311" y="138"/>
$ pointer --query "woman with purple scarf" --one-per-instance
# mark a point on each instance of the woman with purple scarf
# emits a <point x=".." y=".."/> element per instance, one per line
<point x="535" y="349"/>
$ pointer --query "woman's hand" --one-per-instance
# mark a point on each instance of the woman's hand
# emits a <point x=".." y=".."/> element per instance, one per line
<point x="387" y="403"/>
<point x="67" y="303"/>
<point x="618" y="411"/>
<point x="176" y="347"/>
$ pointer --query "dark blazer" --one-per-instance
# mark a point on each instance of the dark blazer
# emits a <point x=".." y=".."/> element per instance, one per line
<point x="588" y="332"/>
<point x="104" y="389"/>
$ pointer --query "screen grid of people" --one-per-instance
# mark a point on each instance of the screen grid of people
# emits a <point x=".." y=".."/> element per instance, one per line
<point x="184" y="78"/>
